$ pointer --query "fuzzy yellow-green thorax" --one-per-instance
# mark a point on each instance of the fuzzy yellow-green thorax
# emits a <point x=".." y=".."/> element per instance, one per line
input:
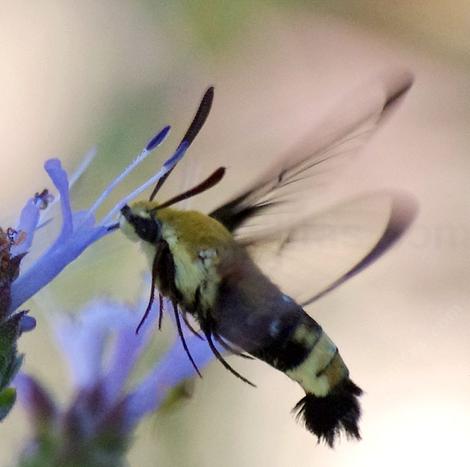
<point x="196" y="241"/>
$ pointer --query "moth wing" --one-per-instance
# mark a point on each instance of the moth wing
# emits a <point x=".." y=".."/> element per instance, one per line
<point x="320" y="253"/>
<point x="306" y="175"/>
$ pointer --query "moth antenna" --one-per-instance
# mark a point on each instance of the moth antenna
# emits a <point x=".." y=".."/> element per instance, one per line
<point x="183" y="341"/>
<point x="208" y="183"/>
<point x="156" y="259"/>
<point x="200" y="117"/>
<point x="223" y="361"/>
<point x="191" y="133"/>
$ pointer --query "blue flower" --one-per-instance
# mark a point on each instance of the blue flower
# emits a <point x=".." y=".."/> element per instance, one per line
<point x="102" y="349"/>
<point x="78" y="230"/>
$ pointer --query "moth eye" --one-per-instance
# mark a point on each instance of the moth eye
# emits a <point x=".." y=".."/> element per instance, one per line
<point x="146" y="229"/>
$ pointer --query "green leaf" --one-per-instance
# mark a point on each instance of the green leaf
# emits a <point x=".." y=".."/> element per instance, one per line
<point x="10" y="372"/>
<point x="9" y="361"/>
<point x="7" y="400"/>
<point x="8" y="335"/>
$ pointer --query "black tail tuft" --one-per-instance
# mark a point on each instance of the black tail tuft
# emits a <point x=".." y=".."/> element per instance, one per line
<point x="327" y="416"/>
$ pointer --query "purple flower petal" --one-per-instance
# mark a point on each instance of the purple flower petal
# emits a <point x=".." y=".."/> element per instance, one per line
<point x="128" y="347"/>
<point x="28" y="222"/>
<point x="27" y="323"/>
<point x="172" y="369"/>
<point x="34" y="398"/>
<point x="83" y="351"/>
<point x="82" y="339"/>
<point x="83" y="219"/>
<point x="51" y="263"/>
<point x="59" y="177"/>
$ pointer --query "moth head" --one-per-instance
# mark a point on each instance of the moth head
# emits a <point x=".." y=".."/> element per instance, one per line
<point x="138" y="222"/>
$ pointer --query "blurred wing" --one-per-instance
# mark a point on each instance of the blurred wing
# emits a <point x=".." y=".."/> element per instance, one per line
<point x="322" y="252"/>
<point x="301" y="178"/>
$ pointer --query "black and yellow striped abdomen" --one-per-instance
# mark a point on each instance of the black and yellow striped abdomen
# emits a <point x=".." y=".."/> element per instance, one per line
<point x="256" y="316"/>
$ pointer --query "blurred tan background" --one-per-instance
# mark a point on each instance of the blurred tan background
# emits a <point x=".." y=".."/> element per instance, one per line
<point x="110" y="73"/>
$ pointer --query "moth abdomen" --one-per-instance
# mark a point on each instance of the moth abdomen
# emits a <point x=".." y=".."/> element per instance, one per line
<point x="278" y="331"/>
<point x="331" y="404"/>
<point x="327" y="416"/>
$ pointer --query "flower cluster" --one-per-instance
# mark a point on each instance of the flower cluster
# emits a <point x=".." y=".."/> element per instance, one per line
<point x="78" y="230"/>
<point x="100" y="343"/>
<point x="11" y="324"/>
<point x="95" y="427"/>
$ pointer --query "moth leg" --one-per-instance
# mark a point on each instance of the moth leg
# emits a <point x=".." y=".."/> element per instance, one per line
<point x="230" y="349"/>
<point x="222" y="360"/>
<point x="156" y="260"/>
<point x="160" y="314"/>
<point x="189" y="326"/>
<point x="183" y="341"/>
